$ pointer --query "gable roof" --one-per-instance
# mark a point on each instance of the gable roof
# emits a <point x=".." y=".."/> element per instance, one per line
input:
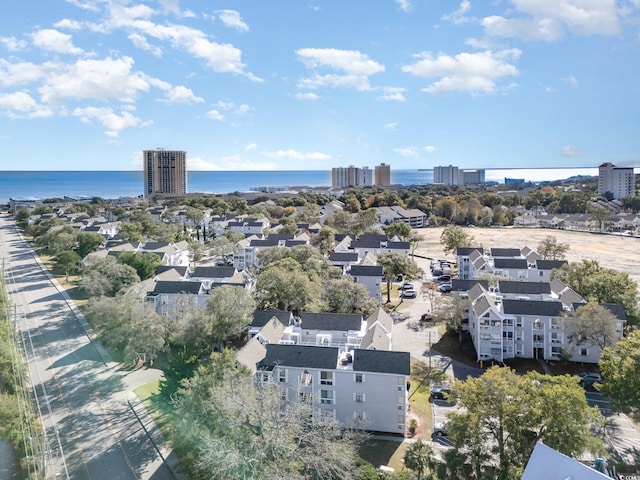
<point x="381" y="361"/>
<point x="376" y="338"/>
<point x="381" y="317"/>
<point x="549" y="264"/>
<point x="535" y="288"/>
<point x="506" y="252"/>
<point x="168" y="286"/>
<point x="464" y="285"/>
<point x="532" y="307"/>
<point x="262" y="317"/>
<point x="182" y="271"/>
<point x="214" y="272"/>
<point x="303" y="356"/>
<point x="511" y="263"/>
<point x="251" y="353"/>
<point x="398" y="245"/>
<point x="343" y="257"/>
<point x="331" y="321"/>
<point x="366" y="271"/>
<point x="466" y="251"/>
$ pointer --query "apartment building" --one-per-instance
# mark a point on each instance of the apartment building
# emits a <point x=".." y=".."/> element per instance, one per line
<point x="617" y="180"/>
<point x="382" y="176"/>
<point x="351" y="176"/>
<point x="365" y="389"/>
<point x="165" y="172"/>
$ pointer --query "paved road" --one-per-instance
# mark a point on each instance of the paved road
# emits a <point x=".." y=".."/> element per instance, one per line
<point x="90" y="430"/>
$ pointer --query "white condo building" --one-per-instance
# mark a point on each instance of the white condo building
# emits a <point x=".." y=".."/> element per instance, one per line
<point x="619" y="181"/>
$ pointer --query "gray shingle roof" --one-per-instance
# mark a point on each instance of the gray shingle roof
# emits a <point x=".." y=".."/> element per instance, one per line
<point x="382" y="361"/>
<point x="534" y="288"/>
<point x="343" y="257"/>
<point x="366" y="271"/>
<point x="464" y="285"/>
<point x="505" y="252"/>
<point x="532" y="307"/>
<point x="511" y="263"/>
<point x="466" y="251"/>
<point x="214" y="272"/>
<point x="549" y="264"/>
<point x="331" y="321"/>
<point x="166" y="286"/>
<point x="303" y="356"/>
<point x="261" y="317"/>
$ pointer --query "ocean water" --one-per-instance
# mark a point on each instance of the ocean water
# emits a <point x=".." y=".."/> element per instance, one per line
<point x="114" y="184"/>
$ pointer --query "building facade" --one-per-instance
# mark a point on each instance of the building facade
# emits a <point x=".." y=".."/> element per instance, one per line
<point x="351" y="176"/>
<point x="619" y="181"/>
<point x="382" y="175"/>
<point x="165" y="172"/>
<point x="452" y="175"/>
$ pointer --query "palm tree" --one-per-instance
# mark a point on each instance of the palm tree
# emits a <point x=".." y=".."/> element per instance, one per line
<point x="419" y="458"/>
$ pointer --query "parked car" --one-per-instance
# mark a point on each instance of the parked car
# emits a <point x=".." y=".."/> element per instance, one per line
<point x="440" y="430"/>
<point x="407" y="286"/>
<point x="441" y="392"/>
<point x="445" y="287"/>
<point x="408" y="294"/>
<point x="588" y="380"/>
<point x="443" y="279"/>
<point x="426" y="317"/>
<point x="595" y="376"/>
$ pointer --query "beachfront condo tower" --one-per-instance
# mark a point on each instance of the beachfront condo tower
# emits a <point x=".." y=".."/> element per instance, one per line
<point x="619" y="181"/>
<point x="165" y="173"/>
<point x="383" y="175"/>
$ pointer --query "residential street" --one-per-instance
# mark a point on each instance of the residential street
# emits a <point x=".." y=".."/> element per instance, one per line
<point x="90" y="430"/>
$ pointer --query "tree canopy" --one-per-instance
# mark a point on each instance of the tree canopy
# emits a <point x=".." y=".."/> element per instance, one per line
<point x="453" y="237"/>
<point x="550" y="249"/>
<point x="397" y="264"/>
<point x="593" y="325"/>
<point x="505" y="414"/>
<point x="620" y="368"/>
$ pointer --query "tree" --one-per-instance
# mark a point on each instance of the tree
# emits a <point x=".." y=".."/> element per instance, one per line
<point x="620" y="368"/>
<point x="453" y="237"/>
<point x="60" y="241"/>
<point x="230" y="428"/>
<point x="128" y="325"/>
<point x="504" y="414"/>
<point x="601" y="285"/>
<point x="400" y="229"/>
<point x="343" y="295"/>
<point x="593" y="325"/>
<point x="419" y="457"/>
<point x="228" y="314"/>
<point x="324" y="240"/>
<point x="66" y="262"/>
<point x="452" y="310"/>
<point x="130" y="232"/>
<point x="144" y="263"/>
<point x="195" y="251"/>
<point x="107" y="277"/>
<point x="550" y="249"/>
<point x="284" y="285"/>
<point x="88" y="242"/>
<point x="397" y="264"/>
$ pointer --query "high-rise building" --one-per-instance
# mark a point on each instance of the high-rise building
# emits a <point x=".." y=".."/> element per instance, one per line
<point x="617" y="180"/>
<point x="446" y="175"/>
<point x="382" y="175"/>
<point x="351" y="176"/>
<point x="165" y="172"/>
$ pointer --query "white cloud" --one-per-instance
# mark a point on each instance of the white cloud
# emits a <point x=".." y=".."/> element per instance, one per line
<point x="68" y="24"/>
<point x="242" y="109"/>
<point x="549" y="90"/>
<point x="404" y="5"/>
<point x="224" y="105"/>
<point x="470" y="72"/>
<point x="393" y="94"/>
<point x="250" y="147"/>
<point x="232" y="19"/>
<point x="295" y="155"/>
<point x="392" y="126"/>
<point x="355" y="68"/>
<point x="110" y="78"/>
<point x="571" y="81"/>
<point x="549" y="20"/>
<point x="429" y="148"/>
<point x="22" y="105"/>
<point x="141" y="42"/>
<point x="55" y="41"/>
<point x="91" y="5"/>
<point x="231" y="162"/>
<point x="571" y="151"/>
<point x="215" y="115"/>
<point x="182" y="95"/>
<point x="13" y="44"/>
<point x="306" y="96"/>
<point x="16" y="74"/>
<point x="113" y="122"/>
<point x="409" y="152"/>
<point x="458" y="17"/>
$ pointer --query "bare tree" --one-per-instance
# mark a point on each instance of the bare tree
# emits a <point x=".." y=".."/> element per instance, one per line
<point x="593" y="325"/>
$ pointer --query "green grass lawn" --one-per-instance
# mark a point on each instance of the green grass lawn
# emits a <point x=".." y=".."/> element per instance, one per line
<point x="156" y="405"/>
<point x="383" y="452"/>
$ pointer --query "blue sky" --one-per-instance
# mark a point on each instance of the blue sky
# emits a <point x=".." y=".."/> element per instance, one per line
<point x="313" y="84"/>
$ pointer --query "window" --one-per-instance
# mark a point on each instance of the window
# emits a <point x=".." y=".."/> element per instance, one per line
<point x="282" y="375"/>
<point x="518" y="321"/>
<point x="283" y="396"/>
<point x="401" y="384"/>
<point x="265" y="377"/>
<point x="359" y="377"/>
<point x="326" y="397"/>
<point x="306" y="397"/>
<point x="359" y="416"/>
<point x="541" y="273"/>
<point x="507" y="335"/>
<point x="359" y="397"/>
<point x="326" y="378"/>
<point x="327" y="413"/>
<point x="584" y="352"/>
<point x="401" y="422"/>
